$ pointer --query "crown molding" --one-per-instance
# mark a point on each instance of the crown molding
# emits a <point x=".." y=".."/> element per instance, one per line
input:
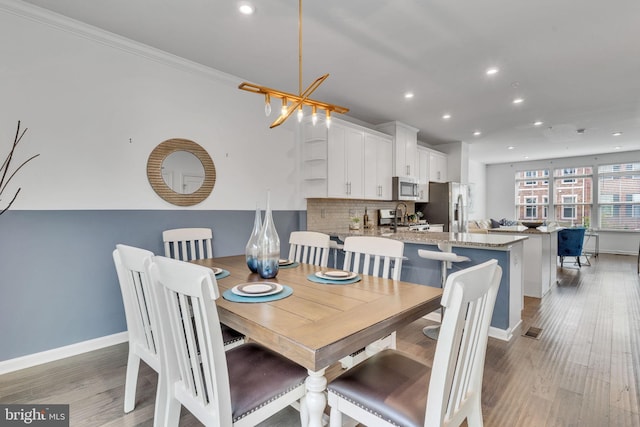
<point x="86" y="31"/>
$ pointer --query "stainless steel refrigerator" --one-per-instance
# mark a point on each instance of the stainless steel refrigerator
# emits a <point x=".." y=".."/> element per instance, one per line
<point x="448" y="204"/>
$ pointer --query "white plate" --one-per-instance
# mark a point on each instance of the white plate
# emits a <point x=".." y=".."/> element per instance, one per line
<point x="285" y="262"/>
<point x="257" y="289"/>
<point x="216" y="270"/>
<point x="336" y="275"/>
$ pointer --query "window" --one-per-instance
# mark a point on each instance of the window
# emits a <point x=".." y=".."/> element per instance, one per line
<point x="568" y="207"/>
<point x="532" y="194"/>
<point x="573" y="195"/>
<point x="619" y="196"/>
<point x="531" y="209"/>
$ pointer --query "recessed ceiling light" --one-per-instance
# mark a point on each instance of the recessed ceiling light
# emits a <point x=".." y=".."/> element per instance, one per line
<point x="538" y="123"/>
<point x="408" y="95"/>
<point x="617" y="147"/>
<point x="511" y="147"/>
<point x="492" y="70"/>
<point x="518" y="100"/>
<point x="526" y="157"/>
<point x="477" y="133"/>
<point x="446" y="116"/>
<point x="616" y="133"/>
<point x="246" y="8"/>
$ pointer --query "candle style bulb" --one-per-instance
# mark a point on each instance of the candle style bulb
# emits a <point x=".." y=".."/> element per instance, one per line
<point x="267" y="105"/>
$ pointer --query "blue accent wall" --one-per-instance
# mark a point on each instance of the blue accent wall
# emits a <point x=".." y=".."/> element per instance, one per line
<point x="58" y="285"/>
<point x="427" y="272"/>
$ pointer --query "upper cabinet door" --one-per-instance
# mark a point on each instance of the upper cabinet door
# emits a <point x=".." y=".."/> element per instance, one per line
<point x="354" y="155"/>
<point x="423" y="165"/>
<point x="405" y="150"/>
<point x="345" y="162"/>
<point x="385" y="167"/>
<point x="337" y="162"/>
<point x="378" y="167"/>
<point x="437" y="167"/>
<point x="410" y="142"/>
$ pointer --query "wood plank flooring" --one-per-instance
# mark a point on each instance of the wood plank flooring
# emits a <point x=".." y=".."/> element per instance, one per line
<point x="582" y="370"/>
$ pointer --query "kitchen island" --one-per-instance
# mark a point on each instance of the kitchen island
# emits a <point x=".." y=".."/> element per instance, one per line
<point x="506" y="248"/>
<point x="540" y="257"/>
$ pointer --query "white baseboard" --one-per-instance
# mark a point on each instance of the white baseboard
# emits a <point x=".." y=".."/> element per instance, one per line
<point x="35" y="359"/>
<point x="503" y="334"/>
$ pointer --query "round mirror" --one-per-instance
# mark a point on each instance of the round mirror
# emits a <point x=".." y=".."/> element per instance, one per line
<point x="181" y="172"/>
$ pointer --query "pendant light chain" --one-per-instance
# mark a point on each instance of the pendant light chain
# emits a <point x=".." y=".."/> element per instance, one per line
<point x="299" y="47"/>
<point x="291" y="102"/>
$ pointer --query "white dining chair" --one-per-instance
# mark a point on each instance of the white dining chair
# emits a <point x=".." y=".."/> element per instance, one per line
<point x="375" y="256"/>
<point x="130" y="265"/>
<point x="391" y="388"/>
<point x="309" y="247"/>
<point x="187" y="244"/>
<point x="240" y="387"/>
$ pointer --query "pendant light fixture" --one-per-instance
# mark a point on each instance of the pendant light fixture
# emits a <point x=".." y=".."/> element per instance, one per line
<point x="292" y="102"/>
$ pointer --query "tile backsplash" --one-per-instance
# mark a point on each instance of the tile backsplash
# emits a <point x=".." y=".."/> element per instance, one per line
<point x="334" y="214"/>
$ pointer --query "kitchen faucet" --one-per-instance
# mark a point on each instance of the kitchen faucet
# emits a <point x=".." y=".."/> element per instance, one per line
<point x="395" y="215"/>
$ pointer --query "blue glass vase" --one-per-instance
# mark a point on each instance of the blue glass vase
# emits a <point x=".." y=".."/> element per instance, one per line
<point x="251" y="250"/>
<point x="268" y="245"/>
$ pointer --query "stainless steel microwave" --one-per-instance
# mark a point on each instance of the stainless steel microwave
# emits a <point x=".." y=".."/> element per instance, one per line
<point x="405" y="188"/>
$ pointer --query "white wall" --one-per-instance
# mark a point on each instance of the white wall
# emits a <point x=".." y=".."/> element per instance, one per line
<point x="96" y="105"/>
<point x="477" y="186"/>
<point x="500" y="200"/>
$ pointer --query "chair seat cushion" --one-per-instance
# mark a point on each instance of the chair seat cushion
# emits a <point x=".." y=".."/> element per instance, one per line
<point x="257" y="376"/>
<point x="230" y="335"/>
<point x="390" y="385"/>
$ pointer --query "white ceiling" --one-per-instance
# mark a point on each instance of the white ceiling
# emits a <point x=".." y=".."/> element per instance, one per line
<point x="576" y="63"/>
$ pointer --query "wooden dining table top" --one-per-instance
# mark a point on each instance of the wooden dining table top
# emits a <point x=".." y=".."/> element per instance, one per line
<point x="320" y="323"/>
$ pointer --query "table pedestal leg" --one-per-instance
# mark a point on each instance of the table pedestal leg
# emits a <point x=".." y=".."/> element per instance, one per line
<point x="315" y="399"/>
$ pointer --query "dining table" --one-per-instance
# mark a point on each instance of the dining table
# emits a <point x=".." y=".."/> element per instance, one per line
<point x="317" y="324"/>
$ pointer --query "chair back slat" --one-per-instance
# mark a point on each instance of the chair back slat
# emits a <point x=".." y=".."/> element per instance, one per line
<point x="188" y="244"/>
<point x="376" y="256"/>
<point x="309" y="247"/>
<point x="458" y="366"/>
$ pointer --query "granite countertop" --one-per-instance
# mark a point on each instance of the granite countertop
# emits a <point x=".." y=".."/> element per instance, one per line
<point x="521" y="229"/>
<point x="476" y="240"/>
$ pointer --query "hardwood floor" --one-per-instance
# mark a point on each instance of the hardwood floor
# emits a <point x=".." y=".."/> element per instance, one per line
<point x="582" y="370"/>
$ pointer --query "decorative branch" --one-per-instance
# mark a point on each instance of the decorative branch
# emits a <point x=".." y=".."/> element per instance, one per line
<point x="4" y="169"/>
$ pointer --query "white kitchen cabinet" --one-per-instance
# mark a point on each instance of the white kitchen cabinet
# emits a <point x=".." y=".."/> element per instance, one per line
<point x="423" y="165"/>
<point x="346" y="161"/>
<point x="437" y="166"/>
<point x="345" y="171"/>
<point x="405" y="150"/>
<point x="378" y="167"/>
